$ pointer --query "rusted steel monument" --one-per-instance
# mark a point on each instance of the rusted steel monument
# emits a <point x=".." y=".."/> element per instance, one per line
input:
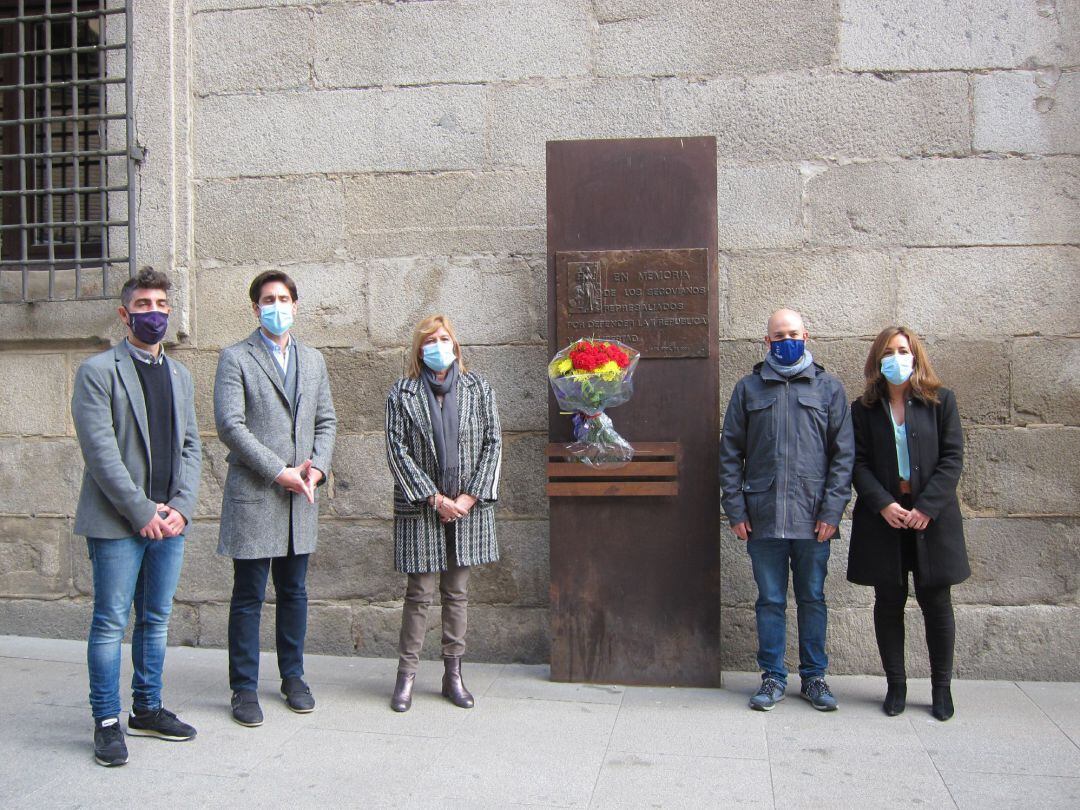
<point x="635" y="562"/>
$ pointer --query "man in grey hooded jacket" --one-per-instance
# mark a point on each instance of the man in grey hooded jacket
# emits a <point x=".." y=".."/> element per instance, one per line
<point x="786" y="458"/>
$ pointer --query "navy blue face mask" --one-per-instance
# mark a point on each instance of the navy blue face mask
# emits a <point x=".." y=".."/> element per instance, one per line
<point x="788" y="351"/>
<point x="149" y="327"/>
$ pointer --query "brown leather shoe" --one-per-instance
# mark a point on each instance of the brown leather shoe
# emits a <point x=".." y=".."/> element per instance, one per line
<point x="453" y="687"/>
<point x="402" y="699"/>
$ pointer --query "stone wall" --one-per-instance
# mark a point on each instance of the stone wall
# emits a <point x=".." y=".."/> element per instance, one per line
<point x="911" y="162"/>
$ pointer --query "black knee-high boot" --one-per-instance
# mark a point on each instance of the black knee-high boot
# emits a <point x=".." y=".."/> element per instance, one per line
<point x="889" y="628"/>
<point x="937" y="609"/>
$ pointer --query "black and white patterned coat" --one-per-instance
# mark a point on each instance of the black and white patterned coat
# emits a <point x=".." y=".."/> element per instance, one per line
<point x="419" y="535"/>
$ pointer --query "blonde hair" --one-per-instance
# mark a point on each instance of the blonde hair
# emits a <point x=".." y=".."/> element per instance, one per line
<point x="924" y="382"/>
<point x="423" y="330"/>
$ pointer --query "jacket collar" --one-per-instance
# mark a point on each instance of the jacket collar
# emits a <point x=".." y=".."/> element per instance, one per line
<point x="770" y="374"/>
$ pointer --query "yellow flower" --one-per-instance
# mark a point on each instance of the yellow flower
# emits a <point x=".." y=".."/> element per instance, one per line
<point x="562" y="366"/>
<point x="609" y="372"/>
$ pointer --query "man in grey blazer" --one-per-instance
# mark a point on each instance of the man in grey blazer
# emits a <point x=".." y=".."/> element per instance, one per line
<point x="274" y="412"/>
<point x="134" y="413"/>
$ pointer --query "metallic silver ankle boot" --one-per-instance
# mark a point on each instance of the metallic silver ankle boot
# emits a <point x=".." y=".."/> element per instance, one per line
<point x="452" y="685"/>
<point x="402" y="699"/>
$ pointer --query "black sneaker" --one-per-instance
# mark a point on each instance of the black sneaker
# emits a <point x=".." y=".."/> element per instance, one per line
<point x="109" y="746"/>
<point x="245" y="708"/>
<point x="820" y="696"/>
<point x="297" y="695"/>
<point x="160" y="723"/>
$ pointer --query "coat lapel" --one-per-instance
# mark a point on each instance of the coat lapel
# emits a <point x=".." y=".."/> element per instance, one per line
<point x="309" y="381"/>
<point x="179" y="428"/>
<point x="887" y="441"/>
<point x="415" y="402"/>
<point x="266" y="363"/>
<point x="130" y="378"/>
<point x="465" y="397"/>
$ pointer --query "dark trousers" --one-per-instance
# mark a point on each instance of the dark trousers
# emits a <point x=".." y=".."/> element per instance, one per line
<point x="937" y="610"/>
<point x="245" y="611"/>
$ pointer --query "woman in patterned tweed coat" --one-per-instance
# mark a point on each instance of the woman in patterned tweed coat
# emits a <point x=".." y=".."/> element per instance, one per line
<point x="444" y="448"/>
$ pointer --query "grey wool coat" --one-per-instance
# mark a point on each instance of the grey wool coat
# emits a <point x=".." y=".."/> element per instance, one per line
<point x="265" y="434"/>
<point x="109" y="411"/>
<point x="419" y="535"/>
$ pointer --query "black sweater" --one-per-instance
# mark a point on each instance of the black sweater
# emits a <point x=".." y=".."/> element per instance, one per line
<point x="156" y="380"/>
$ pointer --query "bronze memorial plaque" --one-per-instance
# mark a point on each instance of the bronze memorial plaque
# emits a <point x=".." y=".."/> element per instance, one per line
<point x="654" y="300"/>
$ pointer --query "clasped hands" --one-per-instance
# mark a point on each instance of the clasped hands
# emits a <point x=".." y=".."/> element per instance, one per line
<point x="301" y="479"/>
<point x="450" y="509"/>
<point x="172" y="525"/>
<point x="900" y="518"/>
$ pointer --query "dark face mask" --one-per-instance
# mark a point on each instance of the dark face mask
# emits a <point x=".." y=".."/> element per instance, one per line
<point x="788" y="351"/>
<point x="149" y="327"/>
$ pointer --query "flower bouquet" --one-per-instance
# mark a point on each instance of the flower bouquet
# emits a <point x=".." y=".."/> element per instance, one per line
<point x="589" y="376"/>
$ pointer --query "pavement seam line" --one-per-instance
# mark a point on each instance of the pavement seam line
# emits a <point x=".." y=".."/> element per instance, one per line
<point x="768" y="758"/>
<point x="933" y="764"/>
<point x="607" y="749"/>
<point x="1066" y="734"/>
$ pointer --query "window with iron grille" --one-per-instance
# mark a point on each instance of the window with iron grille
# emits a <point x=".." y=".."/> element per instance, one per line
<point x="68" y="149"/>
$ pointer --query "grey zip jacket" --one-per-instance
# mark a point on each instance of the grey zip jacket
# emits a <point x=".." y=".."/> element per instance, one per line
<point x="787" y="452"/>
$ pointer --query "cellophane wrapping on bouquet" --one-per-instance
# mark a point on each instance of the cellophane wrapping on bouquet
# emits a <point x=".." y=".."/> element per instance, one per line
<point x="588" y="377"/>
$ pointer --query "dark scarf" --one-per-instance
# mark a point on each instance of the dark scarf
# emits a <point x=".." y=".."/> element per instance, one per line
<point x="444" y="425"/>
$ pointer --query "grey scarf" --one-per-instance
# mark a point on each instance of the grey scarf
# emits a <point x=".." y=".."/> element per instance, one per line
<point x="801" y="365"/>
<point x="444" y="426"/>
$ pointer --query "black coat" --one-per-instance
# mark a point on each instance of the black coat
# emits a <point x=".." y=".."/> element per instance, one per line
<point x="936" y="447"/>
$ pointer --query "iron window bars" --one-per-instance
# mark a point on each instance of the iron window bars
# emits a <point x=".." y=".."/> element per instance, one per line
<point x="68" y="167"/>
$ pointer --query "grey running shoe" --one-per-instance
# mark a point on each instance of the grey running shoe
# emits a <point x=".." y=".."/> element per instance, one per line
<point x="817" y="692"/>
<point x="770" y="693"/>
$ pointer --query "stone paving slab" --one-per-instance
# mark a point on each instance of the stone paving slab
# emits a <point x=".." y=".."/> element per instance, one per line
<point x="532" y="742"/>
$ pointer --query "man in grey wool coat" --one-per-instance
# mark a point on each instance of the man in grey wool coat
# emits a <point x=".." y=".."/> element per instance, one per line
<point x="274" y="412"/>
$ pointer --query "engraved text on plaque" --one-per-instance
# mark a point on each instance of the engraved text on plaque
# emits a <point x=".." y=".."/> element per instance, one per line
<point x="654" y="300"/>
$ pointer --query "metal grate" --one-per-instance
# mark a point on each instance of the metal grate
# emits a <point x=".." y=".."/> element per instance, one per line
<point x="68" y="197"/>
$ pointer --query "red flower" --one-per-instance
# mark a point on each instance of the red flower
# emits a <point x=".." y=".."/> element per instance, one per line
<point x="588" y="356"/>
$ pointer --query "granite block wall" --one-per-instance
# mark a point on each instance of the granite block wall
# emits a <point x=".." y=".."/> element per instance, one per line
<point x="911" y="162"/>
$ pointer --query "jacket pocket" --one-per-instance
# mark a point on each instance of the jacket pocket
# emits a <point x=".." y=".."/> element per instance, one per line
<point x="406" y="509"/>
<point x="760" y="420"/>
<point x="760" y="501"/>
<point x="810" y="494"/>
<point x="814" y="409"/>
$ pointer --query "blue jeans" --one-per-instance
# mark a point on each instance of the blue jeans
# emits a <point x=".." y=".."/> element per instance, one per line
<point x="131" y="569"/>
<point x="809" y="560"/>
<point x="245" y="612"/>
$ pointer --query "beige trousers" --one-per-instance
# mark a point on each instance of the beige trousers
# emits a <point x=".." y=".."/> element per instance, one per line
<point x="454" y="594"/>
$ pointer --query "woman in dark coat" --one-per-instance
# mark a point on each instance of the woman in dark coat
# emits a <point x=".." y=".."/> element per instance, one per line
<point x="909" y="450"/>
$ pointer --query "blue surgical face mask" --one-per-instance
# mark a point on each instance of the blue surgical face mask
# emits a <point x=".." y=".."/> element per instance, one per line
<point x="439" y="356"/>
<point x="897" y="367"/>
<point x="276" y="318"/>
<point x="788" y="351"/>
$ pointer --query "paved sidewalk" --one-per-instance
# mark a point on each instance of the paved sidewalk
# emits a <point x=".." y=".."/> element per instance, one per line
<point x="533" y="742"/>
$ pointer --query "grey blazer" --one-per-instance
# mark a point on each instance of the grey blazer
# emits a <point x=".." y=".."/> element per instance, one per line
<point x="419" y="535"/>
<point x="257" y="424"/>
<point x="109" y="412"/>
